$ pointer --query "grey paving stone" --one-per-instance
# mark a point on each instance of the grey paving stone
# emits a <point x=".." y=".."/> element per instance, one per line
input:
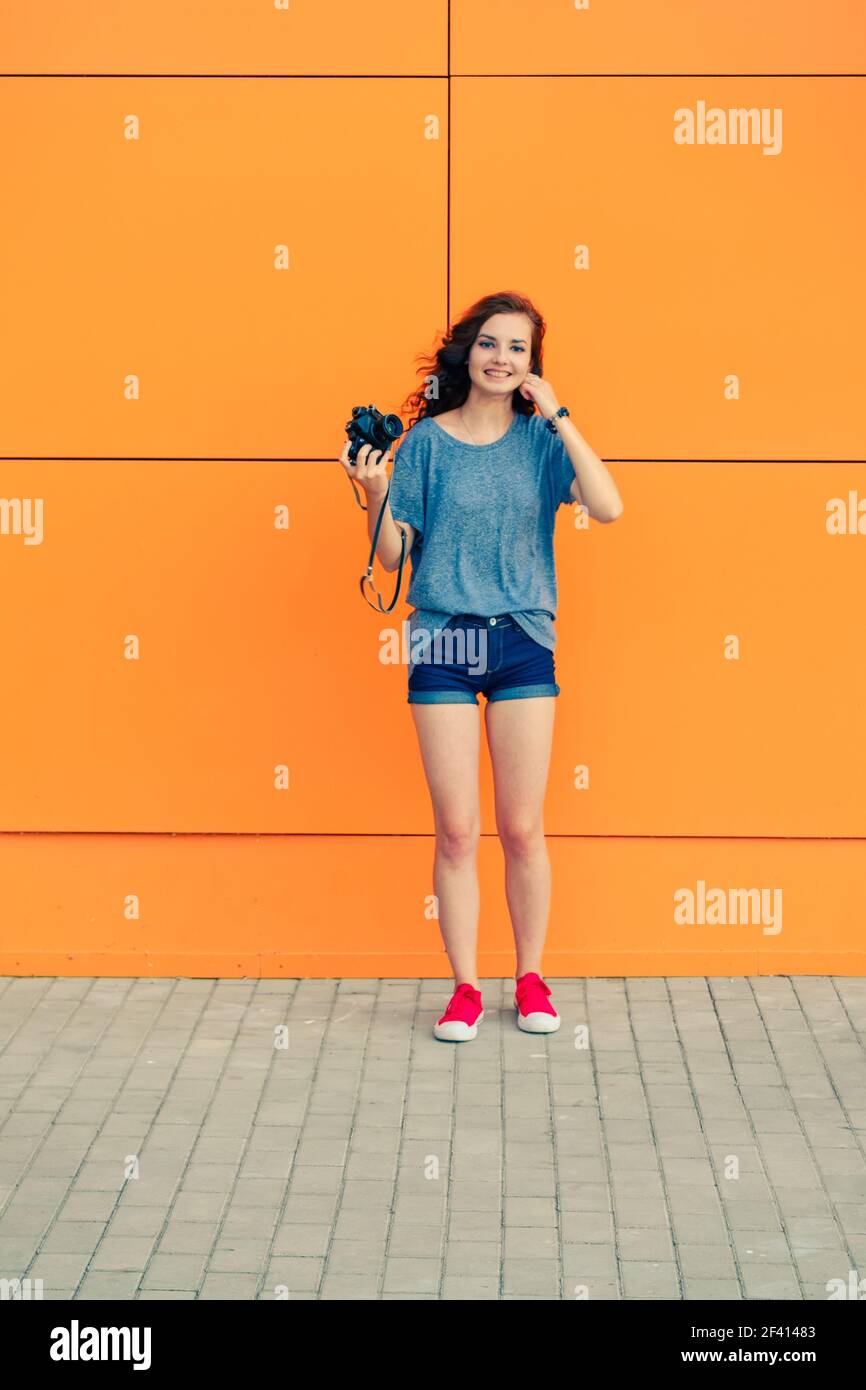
<point x="593" y="1290"/>
<point x="357" y="1224"/>
<point x="526" y="1182"/>
<point x="530" y="1211"/>
<point x="852" y="1216"/>
<point x="352" y="1286"/>
<point x="531" y="1276"/>
<point x="314" y="1162"/>
<point x="72" y="1238"/>
<point x="184" y="1206"/>
<point x="418" y="1241"/>
<point x="700" y="1228"/>
<point x="174" y="1271"/>
<point x="356" y="1257"/>
<point x="245" y="1257"/>
<point x="748" y="1187"/>
<point x="474" y="1225"/>
<point x="538" y="1242"/>
<point x="20" y="1219"/>
<point x="249" y="1221"/>
<point x="752" y="1216"/>
<point x="258" y="1192"/>
<point x="16" y="1252"/>
<point x="367" y="1194"/>
<point x="238" y="1286"/>
<point x="718" y="1290"/>
<point x="579" y="1262"/>
<point x="767" y="1247"/>
<point x="644" y="1243"/>
<point x="301" y="1239"/>
<point x="706" y="1262"/>
<point x="652" y="1215"/>
<point x="209" y="1177"/>
<point x="481" y="1257"/>
<point x="105" y="1285"/>
<point x="309" y="1207"/>
<point x="58" y="1271"/>
<point x="296" y="1273"/>
<point x="802" y="1201"/>
<point x="474" y="1288"/>
<point x="186" y="1237"/>
<point x="404" y="1274"/>
<point x="650" y="1279"/>
<point x="123" y="1252"/>
<point x="770" y="1281"/>
<point x="820" y="1265"/>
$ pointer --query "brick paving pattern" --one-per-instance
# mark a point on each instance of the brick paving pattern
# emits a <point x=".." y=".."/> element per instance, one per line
<point x="247" y="1139"/>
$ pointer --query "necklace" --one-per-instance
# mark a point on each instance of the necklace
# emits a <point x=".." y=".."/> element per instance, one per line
<point x="466" y="427"/>
<point x="472" y="436"/>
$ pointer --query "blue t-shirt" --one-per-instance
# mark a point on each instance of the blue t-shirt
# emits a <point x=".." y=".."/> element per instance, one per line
<point x="484" y="516"/>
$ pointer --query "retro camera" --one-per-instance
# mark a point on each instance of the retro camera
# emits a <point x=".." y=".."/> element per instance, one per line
<point x="369" y="426"/>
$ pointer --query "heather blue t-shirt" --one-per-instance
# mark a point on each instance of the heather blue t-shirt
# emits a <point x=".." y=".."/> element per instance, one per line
<point x="485" y="515"/>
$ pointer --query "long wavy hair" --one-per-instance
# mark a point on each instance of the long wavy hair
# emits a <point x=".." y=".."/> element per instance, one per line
<point x="445" y="371"/>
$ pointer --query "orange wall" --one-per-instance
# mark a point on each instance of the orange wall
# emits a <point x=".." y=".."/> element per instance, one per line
<point x="209" y="259"/>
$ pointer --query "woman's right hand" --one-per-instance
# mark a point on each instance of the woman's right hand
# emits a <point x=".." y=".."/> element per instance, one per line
<point x="369" y="469"/>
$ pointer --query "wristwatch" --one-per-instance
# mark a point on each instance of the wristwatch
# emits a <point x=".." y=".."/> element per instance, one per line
<point x="563" y="410"/>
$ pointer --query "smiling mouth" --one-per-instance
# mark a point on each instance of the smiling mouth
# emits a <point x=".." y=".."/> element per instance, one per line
<point x="493" y="371"/>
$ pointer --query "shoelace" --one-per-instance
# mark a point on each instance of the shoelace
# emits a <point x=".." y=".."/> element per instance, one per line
<point x="531" y="984"/>
<point x="462" y="989"/>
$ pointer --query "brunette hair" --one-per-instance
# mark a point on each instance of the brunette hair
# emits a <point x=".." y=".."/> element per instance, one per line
<point x="448" y="364"/>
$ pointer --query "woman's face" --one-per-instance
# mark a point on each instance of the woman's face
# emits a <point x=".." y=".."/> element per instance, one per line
<point x="501" y="355"/>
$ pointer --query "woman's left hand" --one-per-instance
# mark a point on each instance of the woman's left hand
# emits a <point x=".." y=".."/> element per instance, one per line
<point x="535" y="388"/>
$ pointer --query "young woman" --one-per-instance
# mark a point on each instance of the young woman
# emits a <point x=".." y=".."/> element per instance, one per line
<point x="476" y="485"/>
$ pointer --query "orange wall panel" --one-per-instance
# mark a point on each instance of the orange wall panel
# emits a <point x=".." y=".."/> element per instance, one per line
<point x="705" y="301"/>
<point x="230" y="224"/>
<point x="170" y="649"/>
<point x="383" y="37"/>
<point x="217" y="286"/>
<point x="630" y="36"/>
<point x="360" y="906"/>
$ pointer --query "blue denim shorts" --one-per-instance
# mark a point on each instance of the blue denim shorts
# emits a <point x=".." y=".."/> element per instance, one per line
<point x="488" y="656"/>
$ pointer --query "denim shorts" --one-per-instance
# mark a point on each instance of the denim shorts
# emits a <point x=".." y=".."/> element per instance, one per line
<point x="488" y="656"/>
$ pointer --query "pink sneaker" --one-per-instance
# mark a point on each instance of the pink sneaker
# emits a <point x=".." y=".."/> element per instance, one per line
<point x="534" y="1013"/>
<point x="460" y="1020"/>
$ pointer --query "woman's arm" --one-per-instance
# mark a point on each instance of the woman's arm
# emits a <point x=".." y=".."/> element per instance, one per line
<point x="594" y="486"/>
<point x="369" y="472"/>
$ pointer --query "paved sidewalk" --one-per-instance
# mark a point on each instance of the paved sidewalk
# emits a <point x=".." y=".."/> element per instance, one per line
<point x="699" y="1139"/>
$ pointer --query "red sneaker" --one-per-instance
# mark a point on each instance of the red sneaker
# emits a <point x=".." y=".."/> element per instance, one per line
<point x="460" y="1020"/>
<point x="534" y="1013"/>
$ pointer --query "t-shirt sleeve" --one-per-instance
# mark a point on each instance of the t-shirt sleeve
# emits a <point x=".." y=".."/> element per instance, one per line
<point x="560" y="473"/>
<point x="406" y="497"/>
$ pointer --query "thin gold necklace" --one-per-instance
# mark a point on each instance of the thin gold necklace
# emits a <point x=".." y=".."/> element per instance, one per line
<point x="472" y="436"/>
<point x="466" y="427"/>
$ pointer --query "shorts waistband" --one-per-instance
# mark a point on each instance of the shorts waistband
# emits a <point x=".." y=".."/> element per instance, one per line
<point x="478" y="620"/>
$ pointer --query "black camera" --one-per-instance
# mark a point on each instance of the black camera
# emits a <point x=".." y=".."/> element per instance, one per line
<point x="369" y="426"/>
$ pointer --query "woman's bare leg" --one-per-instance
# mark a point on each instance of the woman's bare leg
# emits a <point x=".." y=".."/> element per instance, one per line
<point x="449" y="736"/>
<point x="520" y="735"/>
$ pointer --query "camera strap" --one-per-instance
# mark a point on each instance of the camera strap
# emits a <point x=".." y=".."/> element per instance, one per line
<point x="367" y="578"/>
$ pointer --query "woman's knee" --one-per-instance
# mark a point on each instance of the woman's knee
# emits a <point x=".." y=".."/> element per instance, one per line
<point x="521" y="837"/>
<point x="457" y="838"/>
